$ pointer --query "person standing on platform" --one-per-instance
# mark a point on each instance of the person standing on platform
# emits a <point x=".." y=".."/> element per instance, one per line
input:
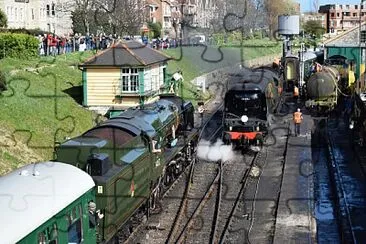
<point x="296" y="93"/>
<point x="297" y="121"/>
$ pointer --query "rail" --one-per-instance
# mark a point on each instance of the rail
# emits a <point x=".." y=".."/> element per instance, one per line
<point x="345" y="224"/>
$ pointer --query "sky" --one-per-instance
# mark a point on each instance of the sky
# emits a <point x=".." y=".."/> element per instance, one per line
<point x="307" y="5"/>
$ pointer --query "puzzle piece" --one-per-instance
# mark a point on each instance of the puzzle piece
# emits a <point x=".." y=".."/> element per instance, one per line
<point x="63" y="118"/>
<point x="42" y="91"/>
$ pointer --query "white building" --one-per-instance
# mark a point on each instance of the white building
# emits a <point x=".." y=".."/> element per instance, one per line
<point x="46" y="15"/>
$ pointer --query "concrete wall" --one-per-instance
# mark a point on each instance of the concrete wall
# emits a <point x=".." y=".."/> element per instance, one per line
<point x="219" y="76"/>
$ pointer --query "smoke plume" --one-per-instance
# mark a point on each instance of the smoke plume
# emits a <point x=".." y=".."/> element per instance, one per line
<point x="215" y="152"/>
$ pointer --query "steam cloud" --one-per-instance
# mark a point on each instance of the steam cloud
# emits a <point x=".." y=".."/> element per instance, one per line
<point x="215" y="152"/>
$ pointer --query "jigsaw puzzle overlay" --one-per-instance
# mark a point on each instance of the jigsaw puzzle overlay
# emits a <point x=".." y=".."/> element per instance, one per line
<point x="46" y="107"/>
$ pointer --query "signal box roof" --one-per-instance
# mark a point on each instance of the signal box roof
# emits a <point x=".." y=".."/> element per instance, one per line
<point x="126" y="54"/>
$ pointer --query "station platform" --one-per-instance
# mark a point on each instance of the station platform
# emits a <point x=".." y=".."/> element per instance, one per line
<point x="295" y="215"/>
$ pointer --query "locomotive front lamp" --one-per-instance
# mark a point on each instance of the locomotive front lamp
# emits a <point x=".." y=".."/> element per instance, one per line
<point x="244" y="118"/>
<point x="351" y="125"/>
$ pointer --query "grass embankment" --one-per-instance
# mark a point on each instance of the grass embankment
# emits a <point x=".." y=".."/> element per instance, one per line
<point x="196" y="61"/>
<point x="39" y="107"/>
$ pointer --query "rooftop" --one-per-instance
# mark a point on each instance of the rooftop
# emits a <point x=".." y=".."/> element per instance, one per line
<point x="126" y="53"/>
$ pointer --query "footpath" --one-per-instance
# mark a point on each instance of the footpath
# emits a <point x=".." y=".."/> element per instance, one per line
<point x="295" y="221"/>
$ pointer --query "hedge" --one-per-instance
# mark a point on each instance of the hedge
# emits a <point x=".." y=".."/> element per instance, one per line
<point x="33" y="32"/>
<point x="2" y="82"/>
<point x="20" y="46"/>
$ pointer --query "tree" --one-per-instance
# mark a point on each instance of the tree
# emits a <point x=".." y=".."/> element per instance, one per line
<point x="110" y="16"/>
<point x="124" y="17"/>
<point x="81" y="14"/>
<point x="274" y="8"/>
<point x="314" y="28"/>
<point x="3" y="19"/>
<point x="155" y="28"/>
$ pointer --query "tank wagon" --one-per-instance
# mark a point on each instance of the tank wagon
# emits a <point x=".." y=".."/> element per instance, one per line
<point x="133" y="157"/>
<point x="322" y="89"/>
<point x="46" y="202"/>
<point x="250" y="101"/>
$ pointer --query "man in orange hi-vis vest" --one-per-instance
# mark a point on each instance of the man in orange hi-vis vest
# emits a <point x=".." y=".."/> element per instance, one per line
<point x="297" y="120"/>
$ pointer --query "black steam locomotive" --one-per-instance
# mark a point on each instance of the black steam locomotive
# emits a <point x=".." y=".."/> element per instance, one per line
<point x="250" y="100"/>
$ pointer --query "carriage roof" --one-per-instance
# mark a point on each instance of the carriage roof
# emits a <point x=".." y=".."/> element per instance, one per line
<point x="31" y="195"/>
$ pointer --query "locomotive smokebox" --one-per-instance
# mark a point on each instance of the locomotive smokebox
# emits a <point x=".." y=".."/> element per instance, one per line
<point x="323" y="84"/>
<point x="288" y="25"/>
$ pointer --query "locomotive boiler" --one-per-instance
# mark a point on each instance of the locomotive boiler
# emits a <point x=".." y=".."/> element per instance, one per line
<point x="249" y="102"/>
<point x="322" y="89"/>
<point x="133" y="157"/>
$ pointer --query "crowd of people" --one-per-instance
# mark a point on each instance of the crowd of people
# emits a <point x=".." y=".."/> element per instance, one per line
<point x="51" y="44"/>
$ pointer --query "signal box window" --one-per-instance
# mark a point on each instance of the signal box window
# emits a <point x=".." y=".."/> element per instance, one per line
<point x="130" y="80"/>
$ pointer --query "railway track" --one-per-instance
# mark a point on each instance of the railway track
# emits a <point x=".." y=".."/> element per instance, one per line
<point x="189" y="217"/>
<point x="348" y="182"/>
<point x="210" y="219"/>
<point x="173" y="198"/>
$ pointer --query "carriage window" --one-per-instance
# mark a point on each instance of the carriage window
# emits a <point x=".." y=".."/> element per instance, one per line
<point x="49" y="235"/>
<point x="74" y="232"/>
<point x="53" y="234"/>
<point x="42" y="238"/>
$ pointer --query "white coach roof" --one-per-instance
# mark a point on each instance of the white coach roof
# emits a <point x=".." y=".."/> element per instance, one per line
<point x="31" y="195"/>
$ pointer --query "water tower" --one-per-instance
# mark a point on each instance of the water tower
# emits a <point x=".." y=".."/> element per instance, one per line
<point x="288" y="27"/>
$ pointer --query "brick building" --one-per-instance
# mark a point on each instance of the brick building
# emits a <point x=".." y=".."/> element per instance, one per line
<point x="168" y="13"/>
<point x="47" y="15"/>
<point x="342" y="17"/>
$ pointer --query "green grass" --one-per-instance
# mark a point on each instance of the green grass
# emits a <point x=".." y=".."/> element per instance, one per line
<point x="196" y="61"/>
<point x="36" y="111"/>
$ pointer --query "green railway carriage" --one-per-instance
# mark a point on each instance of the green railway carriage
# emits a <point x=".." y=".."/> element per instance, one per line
<point x="46" y="203"/>
<point x="132" y="156"/>
<point x="291" y="67"/>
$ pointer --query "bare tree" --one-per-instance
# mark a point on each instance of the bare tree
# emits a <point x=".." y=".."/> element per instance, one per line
<point x="81" y="10"/>
<point x="124" y="16"/>
<point x="117" y="16"/>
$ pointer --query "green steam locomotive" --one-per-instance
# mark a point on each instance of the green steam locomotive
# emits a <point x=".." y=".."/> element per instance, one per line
<point x="133" y="157"/>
